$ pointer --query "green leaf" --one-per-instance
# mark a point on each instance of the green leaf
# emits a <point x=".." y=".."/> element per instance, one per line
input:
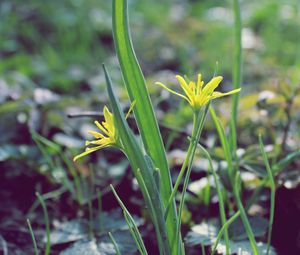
<point x="137" y="90"/>
<point x="136" y="86"/>
<point x="282" y="164"/>
<point x="224" y="142"/>
<point x="140" y="167"/>
<point x="114" y="243"/>
<point x="143" y="110"/>
<point x="131" y="224"/>
<point x="237" y="231"/>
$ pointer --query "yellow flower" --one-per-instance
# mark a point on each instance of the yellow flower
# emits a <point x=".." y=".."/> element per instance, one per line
<point x="199" y="95"/>
<point x="108" y="137"/>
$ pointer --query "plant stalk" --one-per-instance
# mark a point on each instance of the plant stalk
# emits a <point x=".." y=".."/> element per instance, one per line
<point x="199" y="118"/>
<point x="236" y="73"/>
<point x="220" y="196"/>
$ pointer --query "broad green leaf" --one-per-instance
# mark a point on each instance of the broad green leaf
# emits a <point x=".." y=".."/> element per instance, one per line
<point x="237" y="231"/>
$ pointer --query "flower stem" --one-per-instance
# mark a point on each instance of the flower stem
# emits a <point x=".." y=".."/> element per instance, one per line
<point x="187" y="159"/>
<point x="197" y="130"/>
<point x="220" y="195"/>
<point x="179" y="178"/>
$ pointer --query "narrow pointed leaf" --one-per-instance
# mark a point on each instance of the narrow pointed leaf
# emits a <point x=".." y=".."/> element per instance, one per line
<point x="143" y="110"/>
<point x="141" y="170"/>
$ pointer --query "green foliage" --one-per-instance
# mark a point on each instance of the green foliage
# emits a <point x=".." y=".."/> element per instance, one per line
<point x="142" y="171"/>
<point x="49" y="69"/>
<point x="144" y="113"/>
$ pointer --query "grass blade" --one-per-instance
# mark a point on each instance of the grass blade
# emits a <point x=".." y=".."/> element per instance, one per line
<point x="114" y="243"/>
<point x="236" y="72"/>
<point x="131" y="224"/>
<point x="220" y="196"/>
<point x="32" y="237"/>
<point x="99" y="200"/>
<point x="50" y="149"/>
<point x="197" y="130"/>
<point x="236" y="190"/>
<point x="187" y="158"/>
<point x="273" y="190"/>
<point x="46" y="217"/>
<point x="283" y="163"/>
<point x="223" y="229"/>
<point x="235" y="180"/>
<point x="224" y="142"/>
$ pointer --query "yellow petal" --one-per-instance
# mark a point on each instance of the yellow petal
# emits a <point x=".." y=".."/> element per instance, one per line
<point x="108" y="117"/>
<point x="172" y="91"/>
<point x="219" y="94"/>
<point x="192" y="86"/>
<point x="101" y="128"/>
<point x="186" y="88"/>
<point x="199" y="84"/>
<point x="88" y="151"/>
<point x="212" y="85"/>
<point x="201" y="100"/>
<point x="103" y="141"/>
<point x="96" y="134"/>
<point x="106" y="125"/>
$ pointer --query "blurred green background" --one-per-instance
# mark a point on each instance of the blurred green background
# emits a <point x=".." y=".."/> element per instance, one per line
<point x="57" y="44"/>
<point x="53" y="50"/>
